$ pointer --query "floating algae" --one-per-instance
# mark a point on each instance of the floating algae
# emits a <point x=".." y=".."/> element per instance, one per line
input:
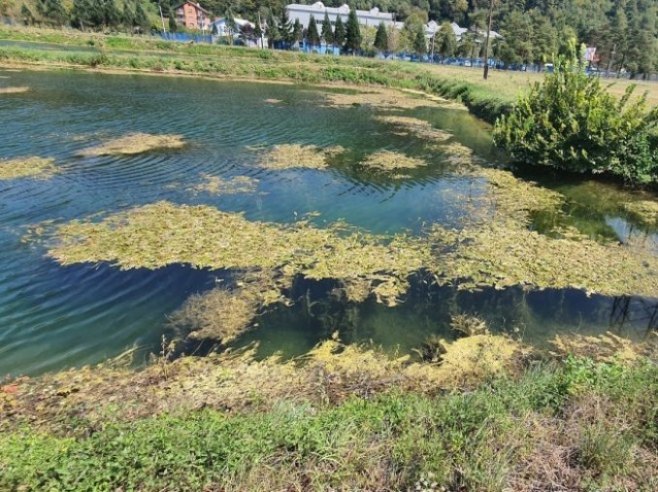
<point x="388" y="161"/>
<point x="417" y="128"/>
<point x="161" y="234"/>
<point x="216" y="185"/>
<point x="379" y="99"/>
<point x="27" y="167"/>
<point x="644" y="212"/>
<point x="496" y="247"/>
<point x="13" y="90"/>
<point x="299" y="156"/>
<point x="135" y="143"/>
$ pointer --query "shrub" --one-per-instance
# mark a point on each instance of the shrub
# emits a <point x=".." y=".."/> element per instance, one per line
<point x="571" y="122"/>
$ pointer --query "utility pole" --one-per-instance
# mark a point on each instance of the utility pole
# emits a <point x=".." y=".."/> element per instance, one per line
<point x="433" y="38"/>
<point x="612" y="59"/>
<point x="486" y="41"/>
<point x="260" y="26"/>
<point x="162" y="18"/>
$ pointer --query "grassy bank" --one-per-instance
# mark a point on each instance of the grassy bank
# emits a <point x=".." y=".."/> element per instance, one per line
<point x="74" y="49"/>
<point x="80" y="50"/>
<point x="577" y="425"/>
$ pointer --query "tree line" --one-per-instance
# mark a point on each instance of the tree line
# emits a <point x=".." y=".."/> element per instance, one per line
<point x="625" y="32"/>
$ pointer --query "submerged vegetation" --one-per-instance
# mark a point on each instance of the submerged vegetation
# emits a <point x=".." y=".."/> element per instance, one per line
<point x="13" y="90"/>
<point x="27" y="167"/>
<point x="299" y="156"/>
<point x="216" y="185"/>
<point x="135" y="143"/>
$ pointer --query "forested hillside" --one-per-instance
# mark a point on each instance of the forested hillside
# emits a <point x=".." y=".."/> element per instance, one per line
<point x="624" y="32"/>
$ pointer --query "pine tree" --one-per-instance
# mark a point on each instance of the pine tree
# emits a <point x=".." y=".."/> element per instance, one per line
<point x="446" y="41"/>
<point x="231" y="27"/>
<point x="353" y="33"/>
<point x="285" y="28"/>
<point x="327" y="32"/>
<point x="258" y="34"/>
<point x="26" y="14"/>
<point x="272" y="31"/>
<point x="52" y="10"/>
<point x="127" y="15"/>
<point x="312" y="35"/>
<point x="381" y="38"/>
<point x="339" y="32"/>
<point x="141" y="20"/>
<point x="297" y="31"/>
<point x="173" y="25"/>
<point x="420" y="42"/>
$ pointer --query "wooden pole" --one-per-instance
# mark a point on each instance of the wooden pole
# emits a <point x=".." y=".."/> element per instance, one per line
<point x="486" y="41"/>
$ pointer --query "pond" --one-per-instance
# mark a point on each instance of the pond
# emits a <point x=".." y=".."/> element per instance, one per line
<point x="54" y="316"/>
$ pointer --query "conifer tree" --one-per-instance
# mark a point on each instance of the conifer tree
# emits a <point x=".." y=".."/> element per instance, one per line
<point x="446" y="41"/>
<point x="312" y="35"/>
<point x="353" y="33"/>
<point x="285" y="28"/>
<point x="127" y="15"/>
<point x="420" y="42"/>
<point x="339" y="32"/>
<point x="141" y="20"/>
<point x="381" y="38"/>
<point x="26" y="14"/>
<point x="327" y="32"/>
<point x="173" y="25"/>
<point x="272" y="31"/>
<point x="297" y="32"/>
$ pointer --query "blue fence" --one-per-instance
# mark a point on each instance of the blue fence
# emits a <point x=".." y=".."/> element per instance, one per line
<point x="185" y="37"/>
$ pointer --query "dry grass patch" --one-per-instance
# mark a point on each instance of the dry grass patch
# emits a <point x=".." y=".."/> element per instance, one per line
<point x="299" y="156"/>
<point x="135" y="143"/>
<point x="607" y="347"/>
<point x="14" y="90"/>
<point x="330" y="373"/>
<point x="216" y="185"/>
<point x="27" y="167"/>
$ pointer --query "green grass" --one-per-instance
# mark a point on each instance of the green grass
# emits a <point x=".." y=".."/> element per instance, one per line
<point x="590" y="426"/>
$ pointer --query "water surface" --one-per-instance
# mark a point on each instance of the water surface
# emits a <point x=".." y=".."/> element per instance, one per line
<point x="53" y="317"/>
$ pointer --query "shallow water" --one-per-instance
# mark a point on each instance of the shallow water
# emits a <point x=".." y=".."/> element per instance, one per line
<point x="53" y="317"/>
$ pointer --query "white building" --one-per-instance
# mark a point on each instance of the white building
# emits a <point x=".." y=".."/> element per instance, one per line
<point x="220" y="30"/>
<point x="433" y="27"/>
<point x="371" y="17"/>
<point x="219" y="26"/>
